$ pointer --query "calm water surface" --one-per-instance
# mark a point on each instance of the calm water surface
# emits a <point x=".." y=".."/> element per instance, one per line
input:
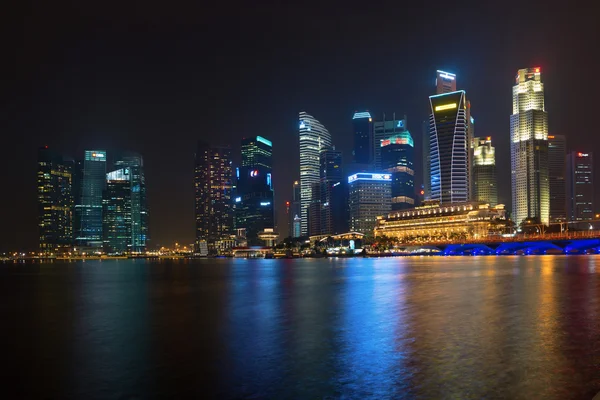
<point x="402" y="328"/>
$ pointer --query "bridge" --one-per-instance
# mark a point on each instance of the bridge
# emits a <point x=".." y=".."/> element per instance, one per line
<point x="583" y="242"/>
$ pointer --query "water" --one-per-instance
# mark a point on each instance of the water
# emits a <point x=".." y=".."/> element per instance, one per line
<point x="428" y="328"/>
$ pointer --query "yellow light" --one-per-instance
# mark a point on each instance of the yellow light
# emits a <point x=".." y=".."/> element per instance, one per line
<point x="370" y="119"/>
<point x="445" y="107"/>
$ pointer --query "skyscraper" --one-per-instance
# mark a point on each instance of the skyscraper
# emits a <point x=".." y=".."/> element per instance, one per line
<point x="580" y="186"/>
<point x="484" y="171"/>
<point x="213" y="178"/>
<point x="55" y="202"/>
<point x="529" y="148"/>
<point x="445" y="82"/>
<point x="295" y="221"/>
<point x="449" y="148"/>
<point x="383" y="130"/>
<point x="397" y="158"/>
<point x="89" y="206"/>
<point x="370" y="196"/>
<point x="363" y="151"/>
<point x="332" y="199"/>
<point x="117" y="204"/>
<point x="134" y="164"/>
<point x="313" y="137"/>
<point x="254" y="203"/>
<point x="557" y="154"/>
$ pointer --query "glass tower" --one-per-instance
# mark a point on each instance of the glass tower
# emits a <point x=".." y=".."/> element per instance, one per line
<point x="484" y="171"/>
<point x="332" y="201"/>
<point x="55" y="202"/>
<point x="89" y="208"/>
<point x="557" y="154"/>
<point x="363" y="152"/>
<point x="397" y="158"/>
<point x="117" y="207"/>
<point x="313" y="137"/>
<point x="529" y="148"/>
<point x="383" y="130"/>
<point x="580" y="185"/>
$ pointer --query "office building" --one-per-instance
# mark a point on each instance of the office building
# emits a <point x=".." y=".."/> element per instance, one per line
<point x="134" y="164"/>
<point x="333" y="199"/>
<point x="397" y="158"/>
<point x="363" y="152"/>
<point x="557" y="154"/>
<point x="295" y="220"/>
<point x="383" y="130"/>
<point x="313" y="137"/>
<point x="580" y="186"/>
<point x="89" y="233"/>
<point x="485" y="189"/>
<point x="370" y="196"/>
<point x="445" y="82"/>
<point x="450" y="152"/>
<point x="213" y="178"/>
<point x="117" y="207"/>
<point x="529" y="149"/>
<point x="254" y="202"/>
<point x="55" y="202"/>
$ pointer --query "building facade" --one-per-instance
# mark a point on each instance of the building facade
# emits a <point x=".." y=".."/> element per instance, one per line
<point x="369" y="197"/>
<point x="383" y="130"/>
<point x="117" y="212"/>
<point x="580" y="186"/>
<point x="254" y="201"/>
<point x="313" y="137"/>
<point x="485" y="189"/>
<point x="55" y="202"/>
<point x="89" y="234"/>
<point x="363" y="151"/>
<point x="397" y="158"/>
<point x="529" y="148"/>
<point x="557" y="154"/>
<point x="450" y="153"/>
<point x="213" y="181"/>
<point x="332" y="202"/>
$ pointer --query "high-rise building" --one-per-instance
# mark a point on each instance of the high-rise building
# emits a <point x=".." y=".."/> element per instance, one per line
<point x="332" y="199"/>
<point x="370" y="196"/>
<point x="313" y="137"/>
<point x="295" y="220"/>
<point x="557" y="154"/>
<point x="529" y="148"/>
<point x="580" y="186"/>
<point x="363" y="151"/>
<point x="117" y="207"/>
<point x="383" y="130"/>
<point x="484" y="172"/>
<point x="213" y="178"/>
<point x="55" y="202"/>
<point x="426" y="156"/>
<point x="89" y="205"/>
<point x="397" y="158"/>
<point x="314" y="210"/>
<point x="450" y="166"/>
<point x="445" y="82"/>
<point x="254" y="202"/>
<point x="134" y="164"/>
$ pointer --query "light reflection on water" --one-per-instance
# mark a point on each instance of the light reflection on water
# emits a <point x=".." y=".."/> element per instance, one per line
<point x="430" y="327"/>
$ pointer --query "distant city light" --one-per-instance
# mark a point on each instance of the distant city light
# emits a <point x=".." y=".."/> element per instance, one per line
<point x="238" y="199"/>
<point x="265" y="203"/>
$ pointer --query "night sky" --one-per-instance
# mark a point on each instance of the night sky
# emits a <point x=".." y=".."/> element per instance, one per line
<point x="155" y="77"/>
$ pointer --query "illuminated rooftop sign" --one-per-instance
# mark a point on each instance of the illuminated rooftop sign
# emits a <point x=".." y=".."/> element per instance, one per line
<point x="445" y="107"/>
<point x="265" y="141"/>
<point x="238" y="199"/>
<point x="369" y="177"/>
<point x="446" y="75"/>
<point x="364" y="114"/>
<point x="265" y="203"/>
<point x="582" y="154"/>
<point x="400" y="124"/>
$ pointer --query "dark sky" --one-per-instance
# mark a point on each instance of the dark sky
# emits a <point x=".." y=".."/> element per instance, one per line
<point x="155" y="77"/>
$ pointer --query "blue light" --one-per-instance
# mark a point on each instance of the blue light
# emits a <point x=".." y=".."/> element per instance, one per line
<point x="400" y="124"/>
<point x="447" y="94"/>
<point x="364" y="114"/>
<point x="238" y="199"/>
<point x="269" y="180"/>
<point x="265" y="203"/>
<point x="302" y="125"/>
<point x="237" y="172"/>
<point x="265" y="141"/>
<point x="472" y="120"/>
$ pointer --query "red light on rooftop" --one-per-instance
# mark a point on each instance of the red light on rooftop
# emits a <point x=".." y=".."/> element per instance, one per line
<point x="537" y="69"/>
<point x="579" y="154"/>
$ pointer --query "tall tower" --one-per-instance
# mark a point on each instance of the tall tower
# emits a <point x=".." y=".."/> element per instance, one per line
<point x="313" y="138"/>
<point x="89" y="206"/>
<point x="254" y="201"/>
<point x="383" y="130"/>
<point x="332" y="204"/>
<point x="580" y="186"/>
<point x="484" y="171"/>
<point x="529" y="148"/>
<point x="557" y="154"/>
<point x="55" y="202"/>
<point x="397" y="158"/>
<point x="449" y="147"/>
<point x="213" y="181"/>
<point x="363" y="151"/>
<point x="117" y="206"/>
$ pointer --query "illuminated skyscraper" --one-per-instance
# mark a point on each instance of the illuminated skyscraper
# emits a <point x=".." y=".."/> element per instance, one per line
<point x="254" y="203"/>
<point x="370" y="196"/>
<point x="363" y="152"/>
<point x="139" y="206"/>
<point x="55" y="202"/>
<point x="529" y="148"/>
<point x="313" y="137"/>
<point x="383" y="130"/>
<point x="213" y="181"/>
<point x="333" y="200"/>
<point x="580" y="186"/>
<point x="450" y="152"/>
<point x="89" y="207"/>
<point x="397" y="157"/>
<point x="117" y="205"/>
<point x="557" y="154"/>
<point x="484" y="171"/>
